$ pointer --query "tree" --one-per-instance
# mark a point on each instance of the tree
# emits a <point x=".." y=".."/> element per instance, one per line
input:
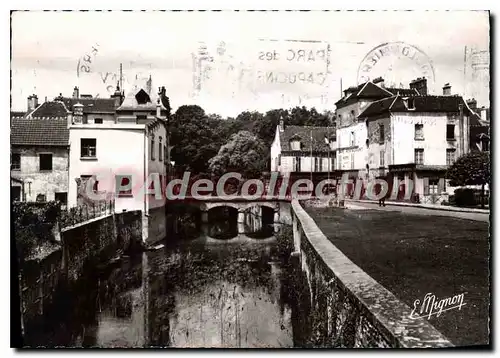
<point x="244" y="154"/>
<point x="471" y="169"/>
<point x="192" y="136"/>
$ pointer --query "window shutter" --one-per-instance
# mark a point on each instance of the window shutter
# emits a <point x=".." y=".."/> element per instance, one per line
<point x="441" y="185"/>
<point x="426" y="186"/>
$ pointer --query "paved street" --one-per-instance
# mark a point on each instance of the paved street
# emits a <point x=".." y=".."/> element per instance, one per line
<point x="412" y="255"/>
<point x="417" y="211"/>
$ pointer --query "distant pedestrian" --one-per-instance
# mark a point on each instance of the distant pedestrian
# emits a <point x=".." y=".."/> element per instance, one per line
<point x="381" y="201"/>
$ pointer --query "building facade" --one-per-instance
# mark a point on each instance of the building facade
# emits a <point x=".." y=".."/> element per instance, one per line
<point x="123" y="158"/>
<point x="300" y="150"/>
<point x="416" y="138"/>
<point x="39" y="159"/>
<point x="352" y="132"/>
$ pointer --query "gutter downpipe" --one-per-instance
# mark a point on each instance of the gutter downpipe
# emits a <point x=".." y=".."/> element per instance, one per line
<point x="145" y="226"/>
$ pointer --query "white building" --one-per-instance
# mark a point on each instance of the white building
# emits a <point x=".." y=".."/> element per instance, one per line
<point x="417" y="138"/>
<point x="124" y="155"/>
<point x="351" y="131"/>
<point x="297" y="149"/>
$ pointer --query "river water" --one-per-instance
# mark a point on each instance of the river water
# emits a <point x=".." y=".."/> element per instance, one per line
<point x="200" y="293"/>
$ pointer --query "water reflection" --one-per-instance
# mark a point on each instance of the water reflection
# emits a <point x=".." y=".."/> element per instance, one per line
<point x="192" y="294"/>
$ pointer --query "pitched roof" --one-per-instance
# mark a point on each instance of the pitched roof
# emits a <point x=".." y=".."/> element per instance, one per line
<point x="403" y="91"/>
<point x="131" y="101"/>
<point x="421" y="104"/>
<point x="304" y="134"/>
<point x="39" y="132"/>
<point x="90" y="105"/>
<point x="49" y="109"/>
<point x="367" y="90"/>
<point x="17" y="113"/>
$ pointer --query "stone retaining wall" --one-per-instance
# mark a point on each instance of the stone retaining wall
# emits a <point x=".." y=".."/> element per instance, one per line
<point x="82" y="245"/>
<point x="97" y="239"/>
<point x="345" y="307"/>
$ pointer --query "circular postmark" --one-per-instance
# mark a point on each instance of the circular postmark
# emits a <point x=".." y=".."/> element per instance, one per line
<point x="397" y="63"/>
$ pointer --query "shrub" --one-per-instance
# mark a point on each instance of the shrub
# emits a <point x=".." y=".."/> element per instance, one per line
<point x="33" y="223"/>
<point x="284" y="239"/>
<point x="465" y="197"/>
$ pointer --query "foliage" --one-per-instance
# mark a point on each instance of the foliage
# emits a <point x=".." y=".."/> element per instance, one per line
<point x="244" y="153"/>
<point x="197" y="137"/>
<point x="192" y="138"/>
<point x="464" y="197"/>
<point x="284" y="240"/>
<point x="470" y="169"/>
<point x="33" y="223"/>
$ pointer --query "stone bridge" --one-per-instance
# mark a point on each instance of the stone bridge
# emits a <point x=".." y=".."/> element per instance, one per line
<point x="250" y="211"/>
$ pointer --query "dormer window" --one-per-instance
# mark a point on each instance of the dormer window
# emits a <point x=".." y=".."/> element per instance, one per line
<point x="409" y="102"/>
<point x="295" y="144"/>
<point x="142" y="97"/>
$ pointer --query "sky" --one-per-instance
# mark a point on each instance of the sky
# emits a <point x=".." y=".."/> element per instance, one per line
<point x="228" y="62"/>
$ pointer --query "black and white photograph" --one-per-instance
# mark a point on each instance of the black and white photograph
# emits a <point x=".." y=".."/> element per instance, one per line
<point x="250" y="179"/>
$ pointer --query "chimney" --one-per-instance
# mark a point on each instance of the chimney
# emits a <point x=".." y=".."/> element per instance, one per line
<point x="447" y="90"/>
<point x="32" y="102"/>
<point x="472" y="103"/>
<point x="484" y="117"/>
<point x="76" y="92"/>
<point x="282" y="126"/>
<point x="379" y="81"/>
<point x="420" y="84"/>
<point x="117" y="96"/>
<point x="78" y="113"/>
<point x="158" y="109"/>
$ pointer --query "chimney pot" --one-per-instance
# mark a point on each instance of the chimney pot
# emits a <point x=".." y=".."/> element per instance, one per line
<point x="76" y="92"/>
<point x="32" y="102"/>
<point x="447" y="90"/>
<point x="420" y="84"/>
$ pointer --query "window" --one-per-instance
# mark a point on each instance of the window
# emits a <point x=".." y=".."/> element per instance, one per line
<point x="419" y="156"/>
<point x="352" y="160"/>
<point x="450" y="156"/>
<point x="86" y="178"/>
<point x="61" y="197"/>
<point x="411" y="103"/>
<point x="45" y="162"/>
<point x="165" y="156"/>
<point x="332" y="162"/>
<point x="433" y="186"/>
<point x="352" y="139"/>
<point x="98" y="120"/>
<point x="382" y="158"/>
<point x="88" y="147"/>
<point x="123" y="185"/>
<point x="296" y="164"/>
<point x="317" y="164"/>
<point x="15" y="161"/>
<point x="295" y="144"/>
<point x="41" y="198"/>
<point x="160" y="148"/>
<point x="381" y="132"/>
<point x="279" y="159"/>
<point x="85" y="120"/>
<point x="140" y="117"/>
<point x="450" y="132"/>
<point x="15" y="193"/>
<point x="152" y="147"/>
<point x="419" y="131"/>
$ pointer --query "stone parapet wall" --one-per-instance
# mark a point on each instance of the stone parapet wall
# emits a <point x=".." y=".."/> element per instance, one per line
<point x="343" y="305"/>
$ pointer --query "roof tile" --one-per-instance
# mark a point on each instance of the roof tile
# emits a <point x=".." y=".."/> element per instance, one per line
<point x="39" y="132"/>
<point x="304" y="133"/>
